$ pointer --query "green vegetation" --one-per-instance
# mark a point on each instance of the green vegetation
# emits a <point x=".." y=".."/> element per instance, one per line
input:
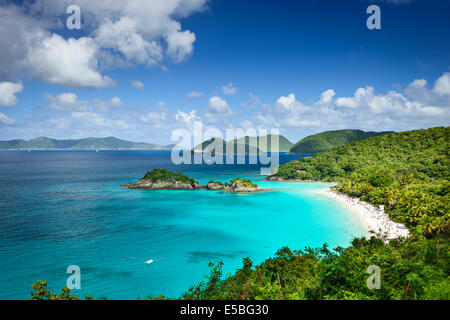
<point x="414" y="269"/>
<point x="215" y="183"/>
<point x="110" y="143"/>
<point x="165" y="175"/>
<point x="408" y="173"/>
<point x="249" y="145"/>
<point x="244" y="182"/>
<point x="43" y="293"/>
<point x="326" y="140"/>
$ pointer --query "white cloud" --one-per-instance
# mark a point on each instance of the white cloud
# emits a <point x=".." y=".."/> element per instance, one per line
<point x="154" y="118"/>
<point x="327" y="96"/>
<point x="266" y="120"/>
<point x="116" y="34"/>
<point x="417" y="107"/>
<point x="67" y="102"/>
<point x="137" y="84"/>
<point x="180" y="45"/>
<point x="218" y="108"/>
<point x="6" y="120"/>
<point x="71" y="62"/>
<point x="289" y="104"/>
<point x="8" y="92"/>
<point x="187" y="118"/>
<point x="116" y="102"/>
<point x="194" y="95"/>
<point x="229" y="89"/>
<point x="362" y="97"/>
<point x="442" y="85"/>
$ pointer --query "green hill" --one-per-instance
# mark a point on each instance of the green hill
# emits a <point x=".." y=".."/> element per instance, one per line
<point x="110" y="143"/>
<point x="408" y="173"/>
<point x="326" y="140"/>
<point x="251" y="145"/>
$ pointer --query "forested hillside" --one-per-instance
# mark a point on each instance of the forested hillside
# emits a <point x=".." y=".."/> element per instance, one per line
<point x="408" y="172"/>
<point x="326" y="140"/>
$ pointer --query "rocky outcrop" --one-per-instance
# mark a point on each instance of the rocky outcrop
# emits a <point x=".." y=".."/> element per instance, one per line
<point x="161" y="179"/>
<point x="275" y="178"/>
<point x="213" y="185"/>
<point x="162" y="185"/>
<point x="241" y="185"/>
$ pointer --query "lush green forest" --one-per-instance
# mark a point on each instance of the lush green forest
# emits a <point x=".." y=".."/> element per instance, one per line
<point x="168" y="176"/>
<point x="326" y="140"/>
<point x="408" y="173"/>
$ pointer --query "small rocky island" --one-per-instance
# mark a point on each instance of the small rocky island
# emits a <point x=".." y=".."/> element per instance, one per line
<point x="162" y="179"/>
<point x="235" y="185"/>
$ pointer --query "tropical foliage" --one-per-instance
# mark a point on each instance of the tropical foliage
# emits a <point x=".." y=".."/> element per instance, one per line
<point x="168" y="176"/>
<point x="406" y="172"/>
<point x="243" y="182"/>
<point x="324" y="141"/>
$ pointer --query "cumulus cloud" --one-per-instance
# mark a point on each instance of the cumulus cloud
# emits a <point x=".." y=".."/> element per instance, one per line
<point x="67" y="102"/>
<point x="116" y="102"/>
<point x="229" y="89"/>
<point x="442" y="85"/>
<point x="71" y="62"/>
<point x="187" y="118"/>
<point x="327" y="96"/>
<point x="8" y="92"/>
<point x="115" y="34"/>
<point x="105" y="106"/>
<point x="137" y="84"/>
<point x="217" y="109"/>
<point x="418" y="106"/>
<point x="361" y="97"/>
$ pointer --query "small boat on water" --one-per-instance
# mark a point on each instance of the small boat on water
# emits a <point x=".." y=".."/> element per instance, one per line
<point x="149" y="261"/>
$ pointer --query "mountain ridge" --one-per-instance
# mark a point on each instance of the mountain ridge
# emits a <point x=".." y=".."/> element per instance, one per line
<point x="90" y="143"/>
<point x="251" y="145"/>
<point x="326" y="140"/>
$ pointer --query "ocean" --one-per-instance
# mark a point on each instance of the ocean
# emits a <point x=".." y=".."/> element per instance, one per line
<point x="62" y="208"/>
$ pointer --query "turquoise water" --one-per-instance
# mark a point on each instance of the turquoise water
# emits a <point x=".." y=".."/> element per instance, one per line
<point x="66" y="208"/>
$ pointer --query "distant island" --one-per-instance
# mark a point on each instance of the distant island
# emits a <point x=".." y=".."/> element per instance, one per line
<point x="162" y="179"/>
<point x="326" y="140"/>
<point x="109" y="143"/>
<point x="250" y="145"/>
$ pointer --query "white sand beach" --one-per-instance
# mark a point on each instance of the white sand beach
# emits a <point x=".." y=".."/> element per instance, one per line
<point x="373" y="218"/>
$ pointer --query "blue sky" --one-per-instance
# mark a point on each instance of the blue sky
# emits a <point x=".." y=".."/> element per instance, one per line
<point x="299" y="66"/>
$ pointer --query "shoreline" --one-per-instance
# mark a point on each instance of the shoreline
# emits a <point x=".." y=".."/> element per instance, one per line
<point x="373" y="219"/>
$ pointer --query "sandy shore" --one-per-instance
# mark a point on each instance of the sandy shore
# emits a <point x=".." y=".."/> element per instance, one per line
<point x="373" y="218"/>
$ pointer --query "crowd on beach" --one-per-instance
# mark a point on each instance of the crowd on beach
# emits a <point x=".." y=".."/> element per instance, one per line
<point x="374" y="218"/>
